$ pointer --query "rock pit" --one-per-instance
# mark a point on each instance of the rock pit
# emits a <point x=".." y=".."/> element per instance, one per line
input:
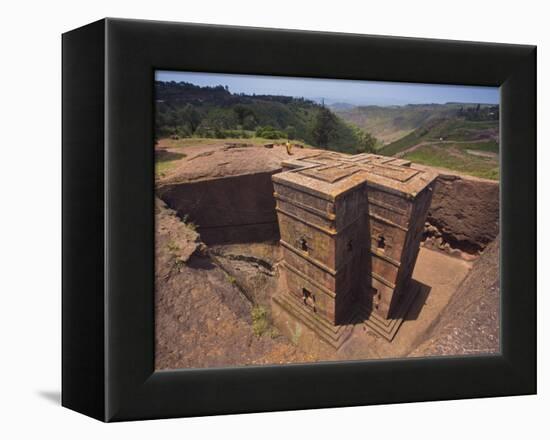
<point x="224" y="193"/>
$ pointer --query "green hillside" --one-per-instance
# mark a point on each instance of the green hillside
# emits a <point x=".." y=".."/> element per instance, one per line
<point x="466" y="141"/>
<point x="390" y="124"/>
<point x="454" y="128"/>
<point x="462" y="137"/>
<point x="185" y="110"/>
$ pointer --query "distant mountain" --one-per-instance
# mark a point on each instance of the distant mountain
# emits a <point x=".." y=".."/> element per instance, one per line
<point x="466" y="140"/>
<point x="447" y="130"/>
<point x="462" y="137"/>
<point x="341" y="106"/>
<point x="390" y="123"/>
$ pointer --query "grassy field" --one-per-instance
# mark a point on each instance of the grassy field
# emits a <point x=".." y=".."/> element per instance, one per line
<point x="489" y="146"/>
<point x="458" y="159"/>
<point x="481" y="133"/>
<point x="416" y="137"/>
<point x="391" y="123"/>
<point x="163" y="166"/>
<point x="470" y="147"/>
<point x="193" y="141"/>
<point x="463" y="130"/>
<point x="165" y="160"/>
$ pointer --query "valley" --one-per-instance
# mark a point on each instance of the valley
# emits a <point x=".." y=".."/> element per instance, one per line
<point x="459" y="137"/>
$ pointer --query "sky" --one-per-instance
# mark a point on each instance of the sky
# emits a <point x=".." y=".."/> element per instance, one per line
<point x="338" y="90"/>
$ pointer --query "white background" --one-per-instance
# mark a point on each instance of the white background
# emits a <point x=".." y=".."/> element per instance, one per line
<point x="30" y="217"/>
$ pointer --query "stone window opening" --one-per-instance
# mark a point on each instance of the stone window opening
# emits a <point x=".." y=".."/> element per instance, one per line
<point x="303" y="244"/>
<point x="381" y="242"/>
<point x="309" y="299"/>
<point x="375" y="298"/>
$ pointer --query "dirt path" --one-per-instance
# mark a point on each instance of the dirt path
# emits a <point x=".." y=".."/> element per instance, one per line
<point x="421" y="144"/>
<point x="486" y="154"/>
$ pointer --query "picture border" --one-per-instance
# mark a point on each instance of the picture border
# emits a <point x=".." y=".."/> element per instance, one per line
<point x="108" y="219"/>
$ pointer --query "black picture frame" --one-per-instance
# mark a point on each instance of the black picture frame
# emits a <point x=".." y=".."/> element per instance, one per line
<point x="108" y="219"/>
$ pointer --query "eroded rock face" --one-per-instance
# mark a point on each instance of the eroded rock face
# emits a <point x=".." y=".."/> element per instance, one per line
<point x="227" y="193"/>
<point x="464" y="212"/>
<point x="233" y="209"/>
<point x="201" y="317"/>
<point x="207" y="162"/>
<point x="205" y="297"/>
<point x="253" y="267"/>
<point x="470" y="323"/>
<point x="178" y="240"/>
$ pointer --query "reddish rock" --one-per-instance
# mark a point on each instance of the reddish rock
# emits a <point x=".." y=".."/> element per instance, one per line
<point x="470" y="323"/>
<point x="201" y="317"/>
<point x="226" y="191"/>
<point x="465" y="210"/>
<point x="207" y="162"/>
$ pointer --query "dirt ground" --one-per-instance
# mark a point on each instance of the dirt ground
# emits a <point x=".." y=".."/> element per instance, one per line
<point x="471" y="322"/>
<point x="202" y="317"/>
<point x="215" y="158"/>
<point x="439" y="276"/>
<point x="213" y="303"/>
<point x="205" y="312"/>
<point x="464" y="213"/>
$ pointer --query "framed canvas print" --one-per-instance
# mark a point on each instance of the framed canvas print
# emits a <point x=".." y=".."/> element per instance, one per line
<point x="263" y="219"/>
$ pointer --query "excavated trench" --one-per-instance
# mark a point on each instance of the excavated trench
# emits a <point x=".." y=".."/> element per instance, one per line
<point x="235" y="216"/>
<point x="463" y="218"/>
<point x="233" y="209"/>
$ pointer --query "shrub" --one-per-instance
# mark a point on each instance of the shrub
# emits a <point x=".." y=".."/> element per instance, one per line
<point x="269" y="132"/>
<point x="291" y="132"/>
<point x="260" y="320"/>
<point x="235" y="134"/>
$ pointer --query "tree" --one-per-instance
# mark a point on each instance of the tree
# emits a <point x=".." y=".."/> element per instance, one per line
<point x="249" y="122"/>
<point x="194" y="117"/>
<point x="291" y="132"/>
<point x="216" y="122"/>
<point x="366" y="142"/>
<point x="323" y="127"/>
<point x="244" y="114"/>
<point x="269" y="132"/>
<point x="191" y="117"/>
